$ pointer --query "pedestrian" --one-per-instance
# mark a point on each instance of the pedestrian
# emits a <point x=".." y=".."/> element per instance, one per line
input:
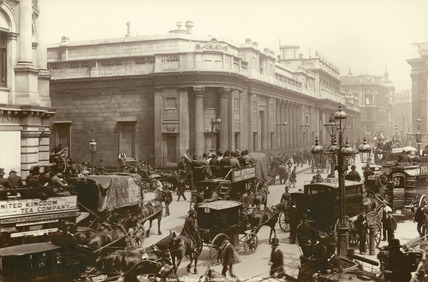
<point x="398" y="265"/>
<point x="420" y="218"/>
<point x="293" y="177"/>
<point x="158" y="188"/>
<point x="390" y="226"/>
<point x="181" y="186"/>
<point x="167" y="197"/>
<point x="361" y="226"/>
<point x="230" y="257"/>
<point x="276" y="261"/>
<point x="305" y="236"/>
<point x="282" y="174"/>
<point x="286" y="197"/>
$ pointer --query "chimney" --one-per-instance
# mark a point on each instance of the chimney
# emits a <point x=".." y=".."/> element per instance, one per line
<point x="128" y="29"/>
<point x="189" y="25"/>
<point x="248" y="41"/>
<point x="64" y="40"/>
<point x="179" y="24"/>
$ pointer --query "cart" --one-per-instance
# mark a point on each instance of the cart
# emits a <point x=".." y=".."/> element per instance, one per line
<point x="224" y="219"/>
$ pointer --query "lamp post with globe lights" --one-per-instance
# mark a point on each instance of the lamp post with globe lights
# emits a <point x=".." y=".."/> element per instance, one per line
<point x="343" y="153"/>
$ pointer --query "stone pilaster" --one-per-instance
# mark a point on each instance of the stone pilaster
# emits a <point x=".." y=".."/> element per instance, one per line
<point x="224" y="115"/>
<point x="25" y="31"/>
<point x="199" y="120"/>
<point x="184" y="121"/>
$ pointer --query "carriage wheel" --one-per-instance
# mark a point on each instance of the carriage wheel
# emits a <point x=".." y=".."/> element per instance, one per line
<point x="250" y="243"/>
<point x="423" y="200"/>
<point x="378" y="234"/>
<point x="354" y="238"/>
<point x="136" y="238"/>
<point x="215" y="249"/>
<point x="284" y="221"/>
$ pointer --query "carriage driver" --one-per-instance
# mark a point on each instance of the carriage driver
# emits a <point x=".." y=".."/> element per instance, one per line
<point x="190" y="229"/>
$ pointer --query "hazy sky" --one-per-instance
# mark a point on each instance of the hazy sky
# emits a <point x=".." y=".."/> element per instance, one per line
<point x="365" y="35"/>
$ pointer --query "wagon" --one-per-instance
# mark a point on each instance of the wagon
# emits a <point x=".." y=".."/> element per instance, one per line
<point x="223" y="219"/>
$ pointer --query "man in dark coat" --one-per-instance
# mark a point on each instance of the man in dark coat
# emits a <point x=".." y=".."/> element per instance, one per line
<point x="276" y="260"/>
<point x="190" y="230"/>
<point x="305" y="236"/>
<point x="390" y="226"/>
<point x="353" y="174"/>
<point x="3" y="181"/>
<point x="229" y="258"/>
<point x="419" y="218"/>
<point x="361" y="225"/>
<point x="293" y="214"/>
<point x="397" y="266"/>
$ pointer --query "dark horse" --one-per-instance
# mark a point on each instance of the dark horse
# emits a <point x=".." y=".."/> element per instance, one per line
<point x="180" y="247"/>
<point x="136" y="262"/>
<point x="152" y="211"/>
<point x="266" y="217"/>
<point x="260" y="195"/>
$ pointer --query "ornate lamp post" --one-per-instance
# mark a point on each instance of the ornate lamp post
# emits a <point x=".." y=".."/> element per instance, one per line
<point x="343" y="152"/>
<point x="92" y="149"/>
<point x="396" y="132"/>
<point x="333" y="149"/>
<point x="364" y="150"/>
<point x="409" y="134"/>
<point x="214" y="123"/>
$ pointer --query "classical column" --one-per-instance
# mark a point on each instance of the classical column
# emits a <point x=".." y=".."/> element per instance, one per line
<point x="43" y="75"/>
<point x="184" y="123"/>
<point x="25" y="31"/>
<point x="158" y="153"/>
<point x="199" y="120"/>
<point x="224" y="126"/>
<point x="282" y="125"/>
<point x="290" y="126"/>
<point x="295" y="123"/>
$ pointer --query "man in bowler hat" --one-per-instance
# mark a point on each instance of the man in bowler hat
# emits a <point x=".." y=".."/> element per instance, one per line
<point x="398" y="265"/>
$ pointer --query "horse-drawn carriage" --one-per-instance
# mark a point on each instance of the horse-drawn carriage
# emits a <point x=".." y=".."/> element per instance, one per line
<point x="225" y="219"/>
<point x="321" y="203"/>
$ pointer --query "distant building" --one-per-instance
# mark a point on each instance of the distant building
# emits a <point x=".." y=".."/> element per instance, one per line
<point x="25" y="106"/>
<point x="402" y="117"/>
<point x="375" y="96"/>
<point x="158" y="97"/>
<point x="419" y="75"/>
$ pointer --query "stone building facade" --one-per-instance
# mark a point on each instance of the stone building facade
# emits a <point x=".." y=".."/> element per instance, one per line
<point x="156" y="97"/>
<point x="419" y="75"/>
<point x="375" y="96"/>
<point x="25" y="106"/>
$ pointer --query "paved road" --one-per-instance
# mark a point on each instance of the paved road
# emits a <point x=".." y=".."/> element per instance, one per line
<point x="255" y="266"/>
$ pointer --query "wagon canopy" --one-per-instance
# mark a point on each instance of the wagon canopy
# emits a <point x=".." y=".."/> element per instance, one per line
<point x="261" y="162"/>
<point x="116" y="191"/>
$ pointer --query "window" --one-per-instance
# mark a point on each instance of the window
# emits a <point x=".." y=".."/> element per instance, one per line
<point x="127" y="138"/>
<point x="3" y="58"/>
<point x="209" y="99"/>
<point x="171" y="148"/>
<point x="170" y="103"/>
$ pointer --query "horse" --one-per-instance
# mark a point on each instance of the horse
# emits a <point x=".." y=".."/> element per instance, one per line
<point x="123" y="261"/>
<point x="373" y="202"/>
<point x="151" y="211"/>
<point x="212" y="275"/>
<point x="180" y="247"/>
<point x="266" y="217"/>
<point x="260" y="196"/>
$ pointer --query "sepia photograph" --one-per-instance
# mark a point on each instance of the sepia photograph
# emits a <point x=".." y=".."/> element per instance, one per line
<point x="195" y="140"/>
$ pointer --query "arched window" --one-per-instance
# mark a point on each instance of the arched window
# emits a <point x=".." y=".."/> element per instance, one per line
<point x="3" y="57"/>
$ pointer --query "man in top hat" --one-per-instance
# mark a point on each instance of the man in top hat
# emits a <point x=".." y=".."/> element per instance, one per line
<point x="14" y="179"/>
<point x="190" y="229"/>
<point x="32" y="179"/>
<point x="353" y="175"/>
<point x="276" y="261"/>
<point x="398" y="265"/>
<point x="3" y="181"/>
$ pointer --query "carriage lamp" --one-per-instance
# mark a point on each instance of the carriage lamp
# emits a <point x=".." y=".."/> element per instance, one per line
<point x="364" y="150"/>
<point x="214" y="122"/>
<point x="92" y="149"/>
<point x="317" y="150"/>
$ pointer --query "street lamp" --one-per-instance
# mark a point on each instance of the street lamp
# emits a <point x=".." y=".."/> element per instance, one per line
<point x="214" y="122"/>
<point x="330" y="126"/>
<point x="418" y="135"/>
<point x="365" y="150"/>
<point x="92" y="149"/>
<point x="396" y="132"/>
<point x="343" y="151"/>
